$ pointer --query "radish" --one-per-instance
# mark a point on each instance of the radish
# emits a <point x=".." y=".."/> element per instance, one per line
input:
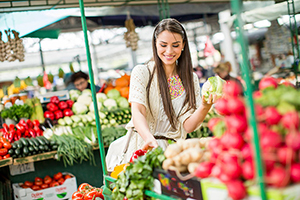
<point x="228" y="156"/>
<point x="270" y="139"/>
<point x="287" y="83"/>
<point x="221" y="107"/>
<point x="259" y="111"/>
<point x="212" y="122"/>
<point x="232" y="140"/>
<point x="216" y="171"/>
<point x="257" y="94"/>
<point x="204" y="169"/>
<point x="236" y="105"/>
<point x="291" y="120"/>
<point x="236" y="189"/>
<point x="236" y="123"/>
<point x="214" y="143"/>
<point x="224" y="178"/>
<point x="232" y="169"/>
<point x="247" y="152"/>
<point x="278" y="177"/>
<point x="248" y="170"/>
<point x="272" y="116"/>
<point x="267" y="82"/>
<point x="292" y="140"/>
<point x="262" y="128"/>
<point x="232" y="89"/>
<point x="215" y="146"/>
<point x="295" y="172"/>
<point x="286" y="155"/>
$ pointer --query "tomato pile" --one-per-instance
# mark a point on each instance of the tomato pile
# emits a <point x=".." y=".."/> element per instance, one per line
<point x="5" y="146"/>
<point x="57" y="109"/>
<point x="232" y="155"/>
<point x="46" y="182"/>
<point x="87" y="192"/>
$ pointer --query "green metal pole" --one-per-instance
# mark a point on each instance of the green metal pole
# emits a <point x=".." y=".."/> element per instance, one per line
<point x="91" y="75"/>
<point x="236" y="6"/>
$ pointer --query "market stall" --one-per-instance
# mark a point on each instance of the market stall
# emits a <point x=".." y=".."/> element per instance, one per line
<point x="149" y="166"/>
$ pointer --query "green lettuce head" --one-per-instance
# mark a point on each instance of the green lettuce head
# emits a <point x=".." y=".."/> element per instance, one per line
<point x="214" y="86"/>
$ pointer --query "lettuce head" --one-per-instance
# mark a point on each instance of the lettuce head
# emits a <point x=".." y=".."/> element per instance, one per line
<point x="214" y="85"/>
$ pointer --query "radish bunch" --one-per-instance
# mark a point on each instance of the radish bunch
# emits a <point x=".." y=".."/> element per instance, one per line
<point x="232" y="155"/>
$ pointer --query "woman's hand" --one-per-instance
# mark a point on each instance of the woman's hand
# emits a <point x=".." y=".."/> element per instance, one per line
<point x="211" y="100"/>
<point x="149" y="144"/>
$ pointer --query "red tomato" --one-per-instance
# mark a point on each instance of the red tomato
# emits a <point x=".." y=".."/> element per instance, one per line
<point x="3" y="152"/>
<point x="6" y="145"/>
<point x="67" y="176"/>
<point x="38" y="179"/>
<point x="91" y="195"/>
<point x="54" y="183"/>
<point x="77" y="194"/>
<point x="47" y="179"/>
<point x="28" y="183"/>
<point x="1" y="158"/>
<point x="84" y="187"/>
<point x="1" y="144"/>
<point x="58" y="176"/>
<point x="35" y="187"/>
<point x="61" y="181"/>
<point x="44" y="186"/>
<point x="6" y="156"/>
<point x="77" y="198"/>
<point x="39" y="183"/>
<point x="99" y="192"/>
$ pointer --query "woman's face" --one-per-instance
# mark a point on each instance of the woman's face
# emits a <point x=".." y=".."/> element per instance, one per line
<point x="81" y="84"/>
<point x="169" y="47"/>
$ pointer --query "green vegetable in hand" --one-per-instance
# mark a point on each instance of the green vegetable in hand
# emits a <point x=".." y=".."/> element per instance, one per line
<point x="214" y="86"/>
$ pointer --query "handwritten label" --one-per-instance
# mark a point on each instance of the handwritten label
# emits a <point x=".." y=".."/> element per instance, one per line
<point x="21" y="168"/>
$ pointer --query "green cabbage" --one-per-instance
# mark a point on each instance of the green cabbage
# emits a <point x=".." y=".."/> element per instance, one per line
<point x="113" y="94"/>
<point x="214" y="85"/>
<point x="122" y="102"/>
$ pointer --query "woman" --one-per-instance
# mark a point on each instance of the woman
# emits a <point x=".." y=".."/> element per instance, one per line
<point x="165" y="93"/>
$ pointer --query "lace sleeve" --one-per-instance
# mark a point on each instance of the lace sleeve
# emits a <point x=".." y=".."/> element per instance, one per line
<point x="138" y="83"/>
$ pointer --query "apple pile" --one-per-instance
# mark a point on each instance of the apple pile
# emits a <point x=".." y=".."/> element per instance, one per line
<point x="232" y="152"/>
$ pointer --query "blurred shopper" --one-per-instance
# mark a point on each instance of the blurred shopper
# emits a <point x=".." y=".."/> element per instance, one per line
<point x="81" y="81"/>
<point x="223" y="70"/>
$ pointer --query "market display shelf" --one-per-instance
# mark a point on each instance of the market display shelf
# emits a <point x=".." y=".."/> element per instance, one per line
<point x="34" y="158"/>
<point x="5" y="162"/>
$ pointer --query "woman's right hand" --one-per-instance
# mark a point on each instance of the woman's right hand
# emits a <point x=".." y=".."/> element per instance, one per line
<point x="149" y="144"/>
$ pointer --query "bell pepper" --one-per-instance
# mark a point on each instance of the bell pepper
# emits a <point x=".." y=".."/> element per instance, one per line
<point x="5" y="127"/>
<point x="49" y="114"/>
<point x="54" y="99"/>
<point x="29" y="123"/>
<point x="62" y="105"/>
<point x="17" y="135"/>
<point x="70" y="103"/>
<point x="58" y="114"/>
<point x="26" y="134"/>
<point x="11" y="136"/>
<point x="36" y="122"/>
<point x="39" y="132"/>
<point x="20" y="128"/>
<point x="137" y="154"/>
<point x="22" y="122"/>
<point x="52" y="107"/>
<point x="32" y="133"/>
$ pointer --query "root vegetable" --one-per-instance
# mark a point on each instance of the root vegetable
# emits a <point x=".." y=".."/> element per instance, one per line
<point x="236" y="106"/>
<point x="248" y="170"/>
<point x="232" y="89"/>
<point x="172" y="150"/>
<point x="270" y="139"/>
<point x="236" y="189"/>
<point x="221" y="107"/>
<point x="232" y="140"/>
<point x="272" y="116"/>
<point x="204" y="169"/>
<point x="192" y="167"/>
<point x="295" y="172"/>
<point x="190" y="143"/>
<point x="190" y="155"/>
<point x="291" y="120"/>
<point x="167" y="163"/>
<point x="178" y="168"/>
<point x="278" y="177"/>
<point x="236" y="123"/>
<point x="286" y="155"/>
<point x="204" y="142"/>
<point x="292" y="140"/>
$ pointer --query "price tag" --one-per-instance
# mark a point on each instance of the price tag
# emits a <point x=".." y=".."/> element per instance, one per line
<point x="21" y="168"/>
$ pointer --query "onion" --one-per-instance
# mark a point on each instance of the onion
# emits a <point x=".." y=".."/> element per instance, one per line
<point x="204" y="169"/>
<point x="292" y="140"/>
<point x="295" y="172"/>
<point x="232" y="89"/>
<point x="291" y="120"/>
<point x="272" y="116"/>
<point x="236" y="189"/>
<point x="236" y="105"/>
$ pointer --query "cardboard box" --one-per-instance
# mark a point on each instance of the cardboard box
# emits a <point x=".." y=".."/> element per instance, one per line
<point x="172" y="186"/>
<point x="61" y="192"/>
<point x="213" y="189"/>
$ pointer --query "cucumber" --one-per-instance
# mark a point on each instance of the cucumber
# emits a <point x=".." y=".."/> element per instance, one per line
<point x="40" y="140"/>
<point x="46" y="148"/>
<point x="54" y="147"/>
<point x="25" y="150"/>
<point x="52" y="142"/>
<point x="41" y="148"/>
<point x="11" y="152"/>
<point x="24" y="141"/>
<point x="46" y="141"/>
<point x="35" y="141"/>
<point x="18" y="151"/>
<point x="14" y="145"/>
<point x="19" y="144"/>
<point x="30" y="148"/>
<point x="30" y="142"/>
<point x="14" y="156"/>
<point x="36" y="148"/>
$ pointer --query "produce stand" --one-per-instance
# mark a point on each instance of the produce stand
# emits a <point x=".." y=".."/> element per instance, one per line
<point x="34" y="158"/>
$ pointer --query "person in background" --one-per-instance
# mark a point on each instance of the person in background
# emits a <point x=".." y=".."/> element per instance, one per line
<point x="165" y="93"/>
<point x="80" y="81"/>
<point x="223" y="70"/>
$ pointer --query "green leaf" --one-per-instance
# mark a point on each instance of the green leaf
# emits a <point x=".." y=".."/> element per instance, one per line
<point x="62" y="195"/>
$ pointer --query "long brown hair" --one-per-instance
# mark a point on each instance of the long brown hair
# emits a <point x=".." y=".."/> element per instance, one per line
<point x="184" y="69"/>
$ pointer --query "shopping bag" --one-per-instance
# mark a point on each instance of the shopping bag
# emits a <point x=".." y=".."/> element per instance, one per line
<point x="117" y="151"/>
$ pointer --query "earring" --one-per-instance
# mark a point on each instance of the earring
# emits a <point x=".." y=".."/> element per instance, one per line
<point x="182" y="49"/>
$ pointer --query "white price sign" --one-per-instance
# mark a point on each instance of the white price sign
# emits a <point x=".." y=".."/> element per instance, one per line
<point x="21" y="168"/>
